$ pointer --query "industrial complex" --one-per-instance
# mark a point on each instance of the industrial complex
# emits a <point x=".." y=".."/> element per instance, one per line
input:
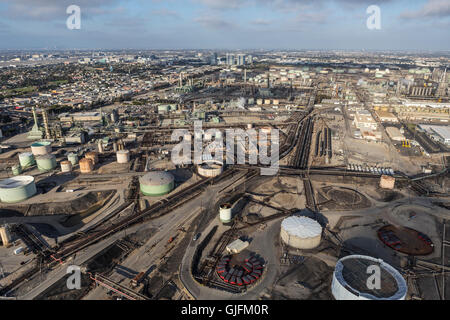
<point x="225" y="175"/>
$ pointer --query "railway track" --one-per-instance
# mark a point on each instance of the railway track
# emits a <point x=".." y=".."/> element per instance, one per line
<point x="155" y="211"/>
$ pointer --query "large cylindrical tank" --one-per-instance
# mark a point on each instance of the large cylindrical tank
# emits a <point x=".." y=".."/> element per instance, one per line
<point x="66" y="166"/>
<point x="225" y="214"/>
<point x="41" y="148"/>
<point x="100" y="146"/>
<point x="93" y="156"/>
<point x="210" y="169"/>
<point x="353" y="273"/>
<point x="123" y="156"/>
<point x="301" y="232"/>
<point x="5" y="235"/>
<point x="16" y="169"/>
<point x="156" y="183"/>
<point x="17" y="189"/>
<point x="46" y="162"/>
<point x="26" y="160"/>
<point x="86" y="165"/>
<point x="73" y="158"/>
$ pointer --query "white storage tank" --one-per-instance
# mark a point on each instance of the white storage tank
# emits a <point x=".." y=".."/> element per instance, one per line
<point x="210" y="169"/>
<point x="17" y="189"/>
<point x="66" y="166"/>
<point x="41" y="148"/>
<point x="26" y="160"/>
<point x="123" y="156"/>
<point x="73" y="158"/>
<point x="225" y="214"/>
<point x="353" y="273"/>
<point x="301" y="232"/>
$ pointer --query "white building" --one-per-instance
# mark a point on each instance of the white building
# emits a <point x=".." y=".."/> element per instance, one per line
<point x="364" y="120"/>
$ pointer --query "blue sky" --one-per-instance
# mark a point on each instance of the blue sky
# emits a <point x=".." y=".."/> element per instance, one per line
<point x="226" y="24"/>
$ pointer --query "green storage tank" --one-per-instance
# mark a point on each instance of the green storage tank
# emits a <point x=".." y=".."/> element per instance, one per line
<point x="156" y="183"/>
<point x="26" y="160"/>
<point x="46" y="162"/>
<point x="17" y="189"/>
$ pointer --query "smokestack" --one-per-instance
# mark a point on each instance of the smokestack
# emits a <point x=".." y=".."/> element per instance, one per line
<point x="45" y="118"/>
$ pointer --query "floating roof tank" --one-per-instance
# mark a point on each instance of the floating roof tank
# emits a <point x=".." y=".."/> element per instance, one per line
<point x="17" y="189"/>
<point x="351" y="278"/>
<point x="41" y="148"/>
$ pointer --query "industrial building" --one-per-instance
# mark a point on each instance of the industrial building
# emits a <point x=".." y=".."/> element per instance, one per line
<point x="395" y="134"/>
<point x="364" y="120"/>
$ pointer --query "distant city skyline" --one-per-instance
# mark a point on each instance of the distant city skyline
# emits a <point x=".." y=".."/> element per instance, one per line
<point x="420" y="25"/>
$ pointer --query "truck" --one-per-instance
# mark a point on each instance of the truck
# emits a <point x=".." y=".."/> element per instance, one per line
<point x="18" y="250"/>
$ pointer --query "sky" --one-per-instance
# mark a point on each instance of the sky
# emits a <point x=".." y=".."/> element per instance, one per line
<point x="226" y="24"/>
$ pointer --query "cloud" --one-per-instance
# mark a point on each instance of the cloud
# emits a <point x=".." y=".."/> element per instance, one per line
<point x="166" y="13"/>
<point x="214" y="22"/>
<point x="56" y="9"/>
<point x="261" y="22"/>
<point x="431" y="9"/>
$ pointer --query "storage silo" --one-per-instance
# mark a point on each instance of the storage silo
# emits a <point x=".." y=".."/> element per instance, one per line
<point x="123" y="156"/>
<point x="355" y="278"/>
<point x="17" y="189"/>
<point x="210" y="169"/>
<point x="41" y="148"/>
<point x="73" y="158"/>
<point x="92" y="156"/>
<point x="301" y="232"/>
<point x="16" y="169"/>
<point x="156" y="183"/>
<point x="46" y="162"/>
<point x="66" y="166"/>
<point x="225" y="213"/>
<point x="5" y="235"/>
<point x="26" y="160"/>
<point x="86" y="165"/>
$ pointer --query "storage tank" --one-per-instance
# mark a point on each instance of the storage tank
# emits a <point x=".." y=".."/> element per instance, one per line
<point x="93" y="156"/>
<point x="5" y="235"/>
<point x="353" y="273"/>
<point x="210" y="169"/>
<point x="26" y="160"/>
<point x="301" y="232"/>
<point x="66" y="166"/>
<point x="17" y="189"/>
<point x="86" y="165"/>
<point x="46" y="162"/>
<point x="73" y="158"/>
<point x="225" y="214"/>
<point x="41" y="148"/>
<point x="156" y="183"/>
<point x="123" y="156"/>
<point x="16" y="169"/>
